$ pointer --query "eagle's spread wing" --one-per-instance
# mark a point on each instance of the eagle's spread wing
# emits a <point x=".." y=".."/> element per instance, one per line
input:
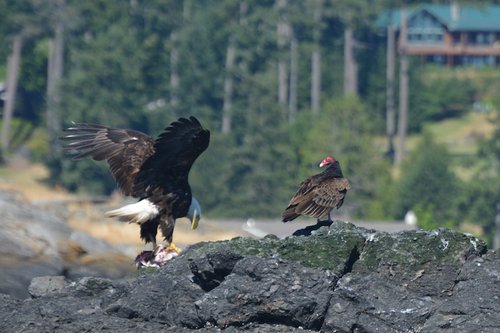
<point x="125" y="150"/>
<point x="176" y="149"/>
<point x="316" y="197"/>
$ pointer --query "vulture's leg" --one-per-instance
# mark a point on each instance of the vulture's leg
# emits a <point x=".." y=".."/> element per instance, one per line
<point x="326" y="222"/>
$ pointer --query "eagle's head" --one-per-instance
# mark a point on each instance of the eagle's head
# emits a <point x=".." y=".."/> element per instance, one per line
<point x="194" y="213"/>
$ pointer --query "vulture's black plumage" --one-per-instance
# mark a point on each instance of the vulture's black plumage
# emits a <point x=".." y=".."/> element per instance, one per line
<point x="319" y="194"/>
<point x="155" y="171"/>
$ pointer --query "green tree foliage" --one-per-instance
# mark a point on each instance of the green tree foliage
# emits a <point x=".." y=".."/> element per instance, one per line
<point x="428" y="186"/>
<point x="118" y="71"/>
<point x="479" y="204"/>
<point x="433" y="98"/>
<point x="482" y="194"/>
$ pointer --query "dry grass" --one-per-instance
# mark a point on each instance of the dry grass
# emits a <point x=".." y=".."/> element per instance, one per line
<point x="21" y="176"/>
<point x="460" y="135"/>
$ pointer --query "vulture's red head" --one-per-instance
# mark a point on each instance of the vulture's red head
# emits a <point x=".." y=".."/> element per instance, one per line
<point x="327" y="161"/>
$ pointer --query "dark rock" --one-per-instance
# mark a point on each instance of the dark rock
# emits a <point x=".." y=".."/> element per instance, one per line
<point x="166" y="295"/>
<point x="426" y="262"/>
<point x="371" y="303"/>
<point x="319" y="251"/>
<point x="474" y="299"/>
<point x="338" y="279"/>
<point x="269" y="291"/>
<point x="211" y="269"/>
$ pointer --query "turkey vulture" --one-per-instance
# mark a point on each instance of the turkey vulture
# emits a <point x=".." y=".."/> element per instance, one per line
<point x="319" y="194"/>
<point x="154" y="171"/>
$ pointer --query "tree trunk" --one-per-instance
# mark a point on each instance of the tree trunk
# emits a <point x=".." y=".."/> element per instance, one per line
<point x="228" y="87"/>
<point x="13" y="63"/>
<point x="294" y="77"/>
<point x="350" y="65"/>
<point x="316" y="59"/>
<point x="174" y="61"/>
<point x="496" y="239"/>
<point x="390" y="73"/>
<point x="54" y="75"/>
<point x="283" y="32"/>
<point x="229" y="80"/>
<point x="174" y="73"/>
<point x="187" y="9"/>
<point x="403" y="91"/>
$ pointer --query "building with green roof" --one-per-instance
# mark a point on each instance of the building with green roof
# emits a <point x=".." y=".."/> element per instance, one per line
<point x="449" y="34"/>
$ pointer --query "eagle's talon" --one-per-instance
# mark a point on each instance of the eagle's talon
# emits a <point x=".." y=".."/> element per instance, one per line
<point x="173" y="247"/>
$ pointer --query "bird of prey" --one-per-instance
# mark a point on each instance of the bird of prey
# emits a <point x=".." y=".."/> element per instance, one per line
<point x="319" y="194"/>
<point x="153" y="170"/>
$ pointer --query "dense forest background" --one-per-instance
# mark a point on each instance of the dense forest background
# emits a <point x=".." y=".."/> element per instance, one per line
<point x="280" y="84"/>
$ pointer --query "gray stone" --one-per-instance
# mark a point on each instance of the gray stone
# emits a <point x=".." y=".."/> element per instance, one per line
<point x="90" y="244"/>
<point x="34" y="242"/>
<point x="45" y="285"/>
<point x="28" y="244"/>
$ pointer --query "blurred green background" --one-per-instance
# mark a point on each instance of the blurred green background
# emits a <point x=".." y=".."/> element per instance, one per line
<point x="249" y="70"/>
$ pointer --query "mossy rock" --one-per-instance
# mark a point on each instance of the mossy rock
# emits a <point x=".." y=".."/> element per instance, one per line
<point x="343" y="246"/>
<point x="334" y="248"/>
<point x="412" y="250"/>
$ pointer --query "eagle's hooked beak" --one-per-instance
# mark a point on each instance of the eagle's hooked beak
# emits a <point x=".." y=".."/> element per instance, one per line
<point x="195" y="220"/>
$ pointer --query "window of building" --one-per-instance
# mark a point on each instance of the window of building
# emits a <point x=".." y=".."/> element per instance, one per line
<point x="480" y="38"/>
<point x="423" y="28"/>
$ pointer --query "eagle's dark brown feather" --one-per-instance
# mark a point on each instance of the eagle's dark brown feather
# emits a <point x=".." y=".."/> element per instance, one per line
<point x="125" y="150"/>
<point x="176" y="149"/>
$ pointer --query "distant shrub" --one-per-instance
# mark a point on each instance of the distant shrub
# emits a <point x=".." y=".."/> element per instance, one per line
<point x="437" y="99"/>
<point x="427" y="182"/>
<point x="38" y="145"/>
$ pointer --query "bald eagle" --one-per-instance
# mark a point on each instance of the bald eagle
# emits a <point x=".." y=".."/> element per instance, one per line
<point x="154" y="171"/>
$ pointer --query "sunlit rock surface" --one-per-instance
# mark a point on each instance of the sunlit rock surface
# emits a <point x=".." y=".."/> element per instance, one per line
<point x="34" y="242"/>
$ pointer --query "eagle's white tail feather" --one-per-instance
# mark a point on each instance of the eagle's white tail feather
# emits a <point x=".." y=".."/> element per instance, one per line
<point x="138" y="212"/>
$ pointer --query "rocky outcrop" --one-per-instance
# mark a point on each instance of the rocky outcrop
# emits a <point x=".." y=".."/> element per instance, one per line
<point x="340" y="279"/>
<point x="34" y="242"/>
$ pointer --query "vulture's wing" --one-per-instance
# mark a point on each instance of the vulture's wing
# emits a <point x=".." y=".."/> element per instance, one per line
<point x="125" y="150"/>
<point x="176" y="149"/>
<point x="316" y="197"/>
<point x="331" y="193"/>
<point x="303" y="194"/>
